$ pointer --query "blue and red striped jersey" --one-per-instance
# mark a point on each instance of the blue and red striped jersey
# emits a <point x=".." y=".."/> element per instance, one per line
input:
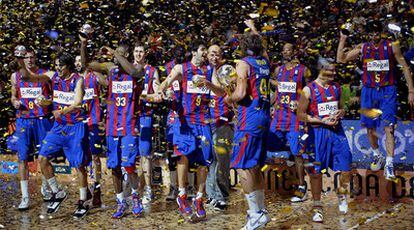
<point x="289" y="85"/>
<point x="220" y="112"/>
<point x="378" y="64"/>
<point x="195" y="100"/>
<point x="323" y="102"/>
<point x="254" y="109"/>
<point x="64" y="96"/>
<point x="27" y="92"/>
<point x="175" y="103"/>
<point x="91" y="99"/>
<point x="122" y="104"/>
<point x="145" y="107"/>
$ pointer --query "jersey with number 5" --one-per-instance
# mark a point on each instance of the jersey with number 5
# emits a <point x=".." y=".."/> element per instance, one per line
<point x="254" y="109"/>
<point x="122" y="104"/>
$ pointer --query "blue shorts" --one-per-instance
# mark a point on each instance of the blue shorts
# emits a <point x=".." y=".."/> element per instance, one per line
<point x="331" y="149"/>
<point x="248" y="150"/>
<point x="122" y="151"/>
<point x="193" y="141"/>
<point x="72" y="139"/>
<point x="29" y="135"/>
<point x="145" y="138"/>
<point x="95" y="140"/>
<point x="384" y="99"/>
<point x="278" y="140"/>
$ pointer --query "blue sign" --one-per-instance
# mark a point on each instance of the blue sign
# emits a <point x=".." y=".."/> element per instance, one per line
<point x="8" y="167"/>
<point x="362" y="151"/>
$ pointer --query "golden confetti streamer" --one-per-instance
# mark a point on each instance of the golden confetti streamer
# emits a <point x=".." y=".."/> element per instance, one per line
<point x="371" y="113"/>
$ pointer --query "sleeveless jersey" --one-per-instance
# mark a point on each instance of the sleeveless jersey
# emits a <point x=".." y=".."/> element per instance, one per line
<point x="122" y="104"/>
<point x="175" y="104"/>
<point x="195" y="100"/>
<point x="289" y="85"/>
<point x="27" y="92"/>
<point x="91" y="99"/>
<point x="254" y="109"/>
<point x="324" y="101"/>
<point x="64" y="96"/>
<point x="379" y="64"/>
<point x="146" y="108"/>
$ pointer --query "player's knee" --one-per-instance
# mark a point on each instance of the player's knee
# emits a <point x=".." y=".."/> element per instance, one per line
<point x="130" y="169"/>
<point x="44" y="161"/>
<point x="389" y="130"/>
<point x="370" y="131"/>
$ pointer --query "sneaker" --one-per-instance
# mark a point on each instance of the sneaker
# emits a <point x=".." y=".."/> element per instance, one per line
<point x="147" y="196"/>
<point x="220" y="205"/>
<point x="199" y="207"/>
<point x="210" y="202"/>
<point x="81" y="210"/>
<point x="342" y="204"/>
<point x="46" y="193"/>
<point x="172" y="195"/>
<point x="24" y="204"/>
<point x="377" y="163"/>
<point x="317" y="214"/>
<point x="96" y="198"/>
<point x="256" y="220"/>
<point x="56" y="201"/>
<point x="300" y="195"/>
<point x="183" y="207"/>
<point x="136" y="205"/>
<point x="121" y="209"/>
<point x="389" y="172"/>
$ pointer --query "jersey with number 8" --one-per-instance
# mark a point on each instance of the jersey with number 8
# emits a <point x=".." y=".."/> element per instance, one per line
<point x="27" y="92"/>
<point x="122" y="104"/>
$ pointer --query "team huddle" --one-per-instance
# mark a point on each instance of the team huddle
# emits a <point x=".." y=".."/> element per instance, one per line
<point x="220" y="117"/>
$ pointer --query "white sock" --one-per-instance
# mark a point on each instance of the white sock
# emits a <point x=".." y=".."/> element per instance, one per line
<point x="83" y="193"/>
<point x="252" y="201"/>
<point x="53" y="184"/>
<point x="147" y="188"/>
<point x="199" y="195"/>
<point x="302" y="186"/>
<point x="260" y="199"/>
<point x="389" y="160"/>
<point x="134" y="191"/>
<point x="24" y="186"/>
<point x="120" y="196"/>
<point x="376" y="152"/>
<point x="44" y="182"/>
<point x="181" y="191"/>
<point x="173" y="179"/>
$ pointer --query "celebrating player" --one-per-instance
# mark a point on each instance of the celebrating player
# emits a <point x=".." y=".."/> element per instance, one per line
<point x="379" y="59"/>
<point x="322" y="98"/>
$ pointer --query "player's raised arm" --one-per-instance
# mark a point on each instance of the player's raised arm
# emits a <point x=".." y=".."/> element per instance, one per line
<point x="351" y="55"/>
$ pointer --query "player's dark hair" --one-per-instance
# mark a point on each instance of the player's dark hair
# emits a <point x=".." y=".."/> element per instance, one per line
<point x="195" y="45"/>
<point x="251" y="44"/>
<point x="68" y="60"/>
